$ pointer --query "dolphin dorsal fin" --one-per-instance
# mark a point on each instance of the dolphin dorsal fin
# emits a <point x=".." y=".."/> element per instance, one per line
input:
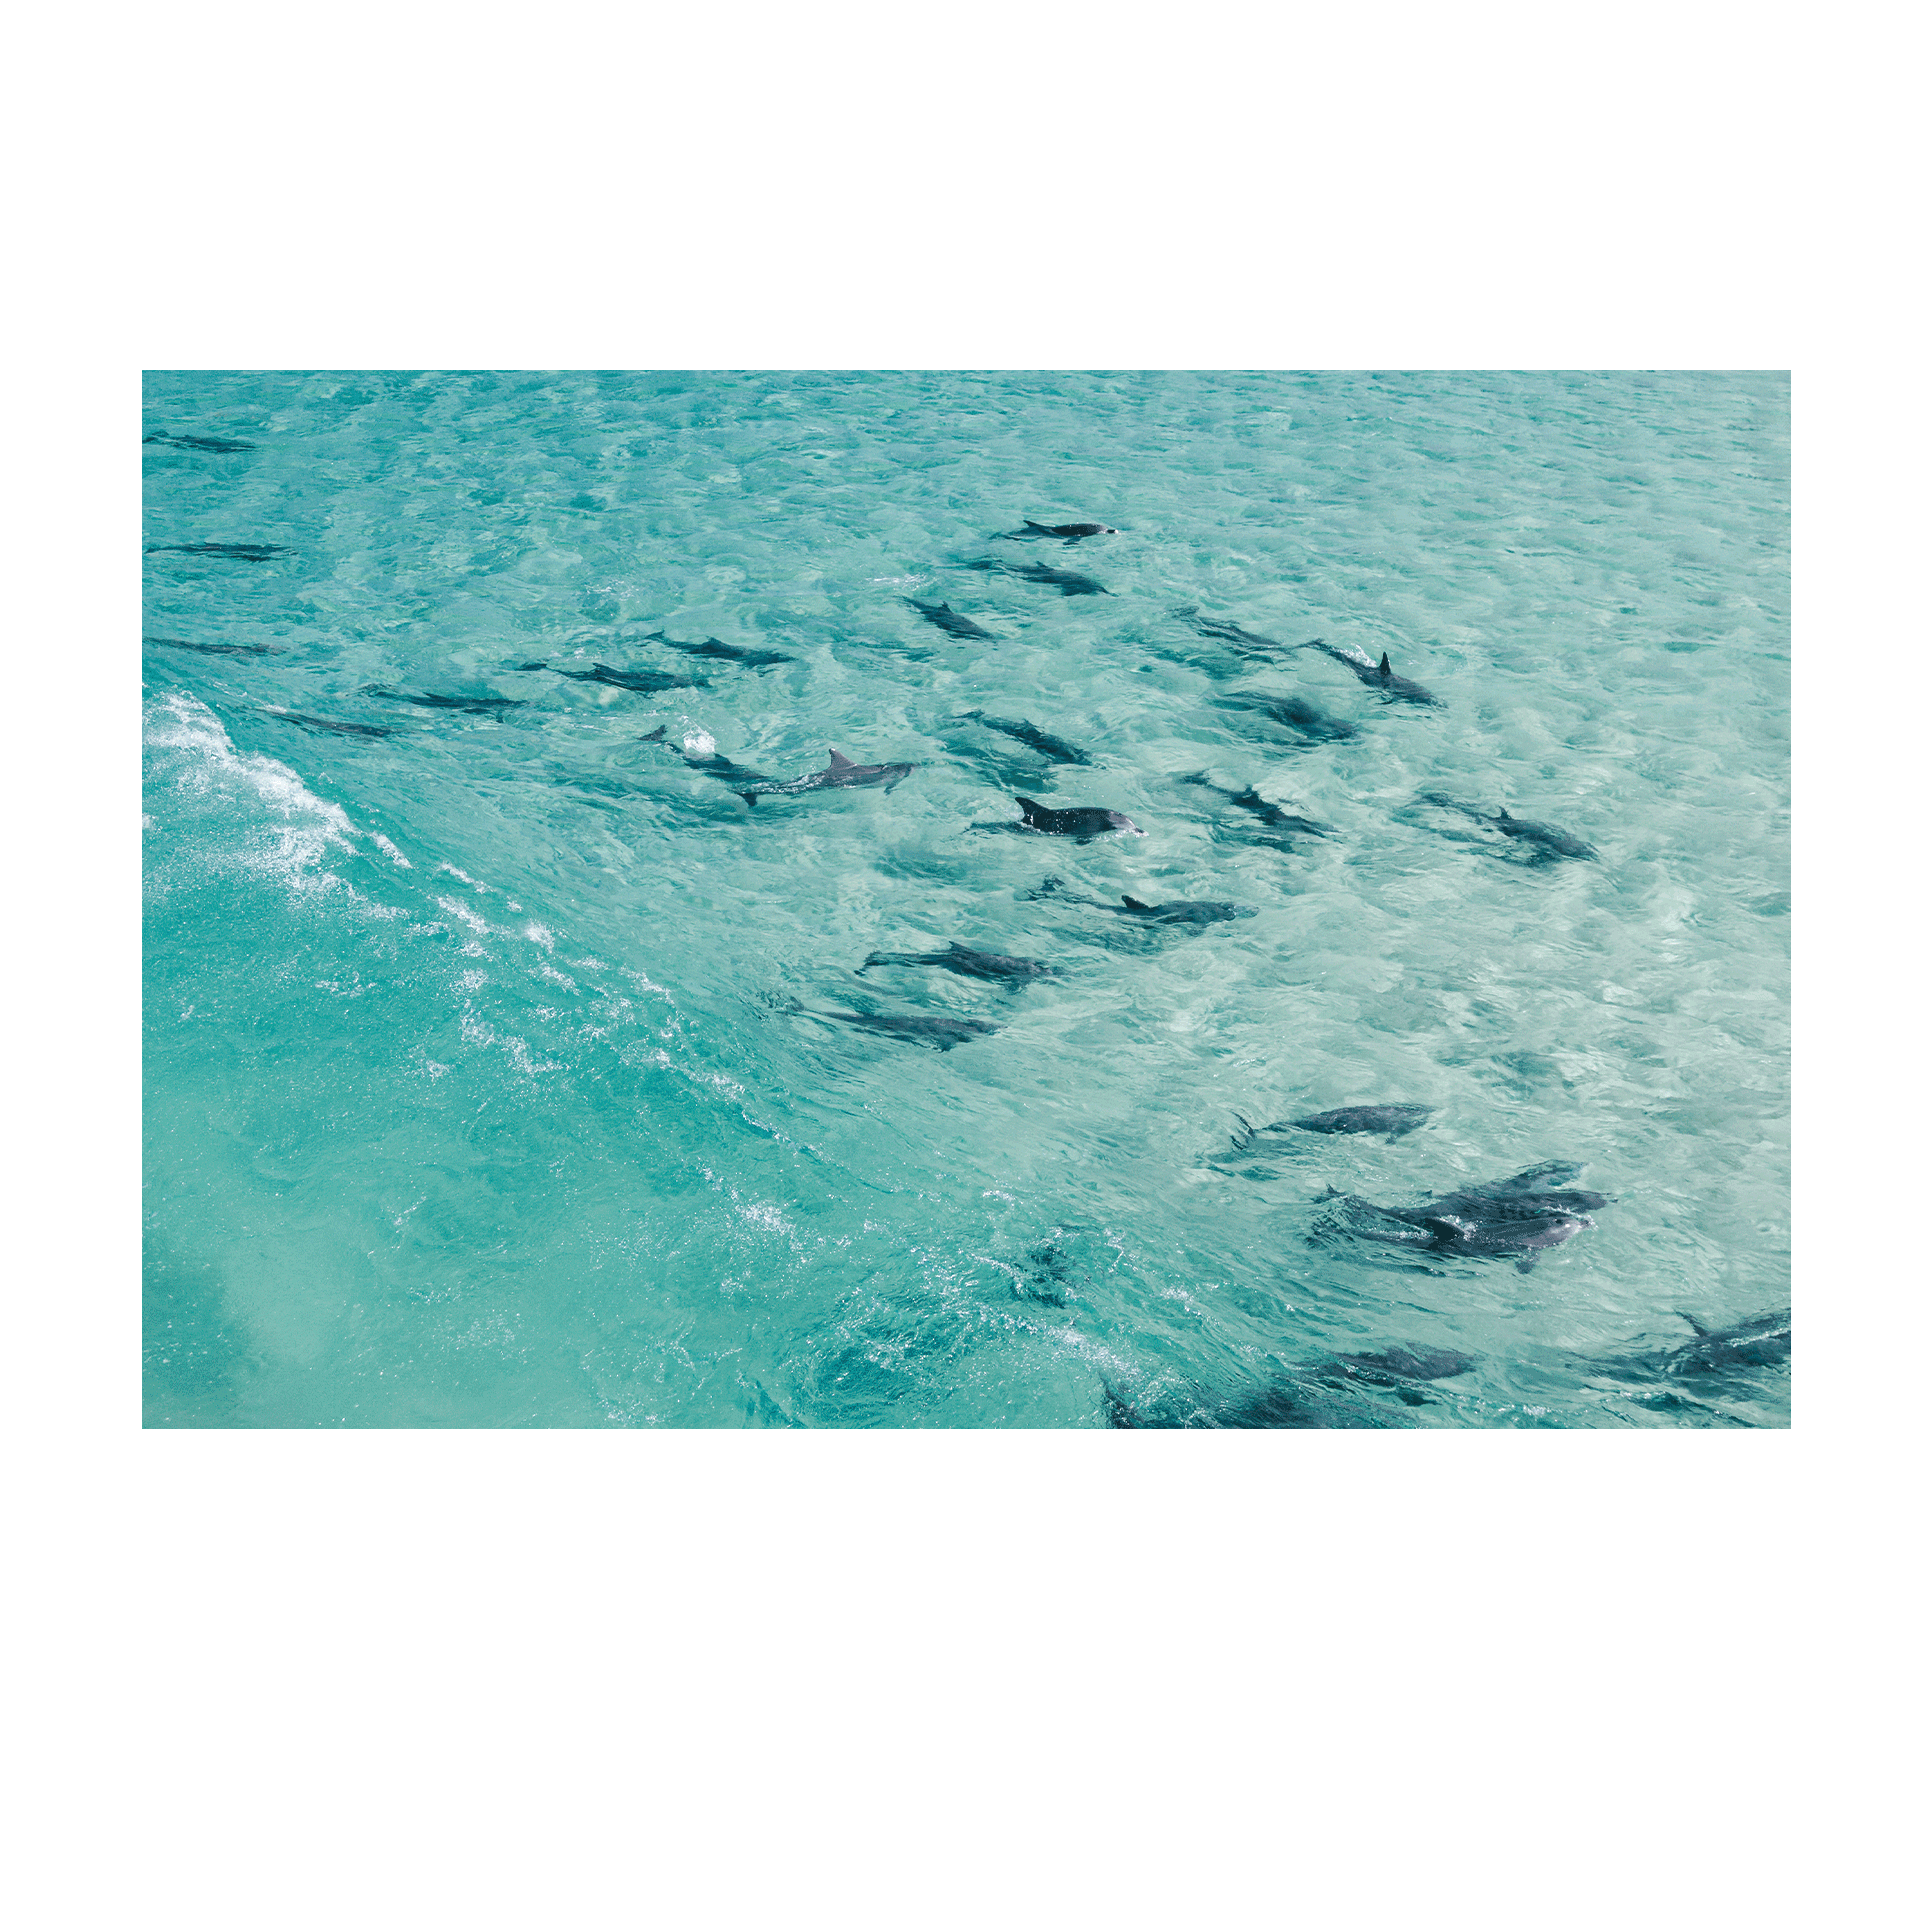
<point x="1029" y="807"/>
<point x="1384" y="668"/>
<point x="1134" y="906"/>
<point x="659" y="733"/>
<point x="836" y="760"/>
<point x="1505" y="815"/>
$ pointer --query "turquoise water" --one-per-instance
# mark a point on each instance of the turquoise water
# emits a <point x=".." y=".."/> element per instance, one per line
<point x="475" y="1089"/>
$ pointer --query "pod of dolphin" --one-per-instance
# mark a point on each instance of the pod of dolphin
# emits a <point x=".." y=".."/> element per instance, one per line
<point x="1517" y="1217"/>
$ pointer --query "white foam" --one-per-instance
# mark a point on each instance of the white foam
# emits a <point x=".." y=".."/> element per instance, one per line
<point x="464" y="914"/>
<point x="303" y="828"/>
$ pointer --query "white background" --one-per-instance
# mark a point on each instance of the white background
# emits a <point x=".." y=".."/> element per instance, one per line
<point x="272" y="1674"/>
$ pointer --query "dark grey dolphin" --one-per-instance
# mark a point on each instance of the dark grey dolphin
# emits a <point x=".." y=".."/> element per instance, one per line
<point x="1081" y="823"/>
<point x="1405" y="1363"/>
<point x="1072" y="533"/>
<point x="1183" y="913"/>
<point x="1382" y="676"/>
<point x="1238" y="638"/>
<point x="1521" y="1215"/>
<point x="719" y="650"/>
<point x="1546" y="843"/>
<point x="1042" y="575"/>
<point x="1006" y="968"/>
<point x="1397" y="1368"/>
<point x="1029" y="735"/>
<point x="715" y="764"/>
<point x="224" y="550"/>
<point x="1392" y="1121"/>
<point x="944" y="617"/>
<point x="212" y="646"/>
<point x="1277" y="1404"/>
<point x="930" y="1029"/>
<point x="1267" y="812"/>
<point x="454" y="702"/>
<point x="838" y="772"/>
<point x="1712" y="1358"/>
<point x="200" y="443"/>
<point x="1299" y="716"/>
<point x="315" y="724"/>
<point x="644" y="680"/>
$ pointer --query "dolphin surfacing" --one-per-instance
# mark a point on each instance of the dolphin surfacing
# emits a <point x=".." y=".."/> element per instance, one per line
<point x="1078" y="823"/>
<point x="1073" y="532"/>
<point x="1383" y="676"/>
<point x="838" y="772"/>
<point x="1525" y="1215"/>
<point x="1544" y="844"/>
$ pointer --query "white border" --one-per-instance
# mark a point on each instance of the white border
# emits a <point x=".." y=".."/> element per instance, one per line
<point x="945" y="1673"/>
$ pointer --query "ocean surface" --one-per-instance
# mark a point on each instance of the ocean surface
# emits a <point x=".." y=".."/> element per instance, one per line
<point x="488" y="1078"/>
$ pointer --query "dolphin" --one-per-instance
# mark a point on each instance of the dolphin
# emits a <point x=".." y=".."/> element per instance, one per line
<point x="212" y="646"/>
<point x="1042" y="575"/>
<point x="1396" y="1367"/>
<point x="198" y="442"/>
<point x="315" y="724"/>
<point x="456" y="702"/>
<point x="970" y="961"/>
<point x="1053" y="747"/>
<point x="1238" y="638"/>
<point x="934" y="1030"/>
<point x="1184" y="913"/>
<point x="1276" y="1404"/>
<point x="1524" y="1214"/>
<point x="719" y="650"/>
<point x="222" y="550"/>
<point x="838" y="772"/>
<point x="645" y="680"/>
<point x="944" y="617"/>
<point x="1404" y="1363"/>
<point x="716" y="764"/>
<point x="1301" y="716"/>
<point x="1392" y="1121"/>
<point x="1712" y="1359"/>
<point x="1382" y="676"/>
<point x="1072" y="533"/>
<point x="1081" y="823"/>
<point x="1547" y="844"/>
<point x="1267" y="812"/>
